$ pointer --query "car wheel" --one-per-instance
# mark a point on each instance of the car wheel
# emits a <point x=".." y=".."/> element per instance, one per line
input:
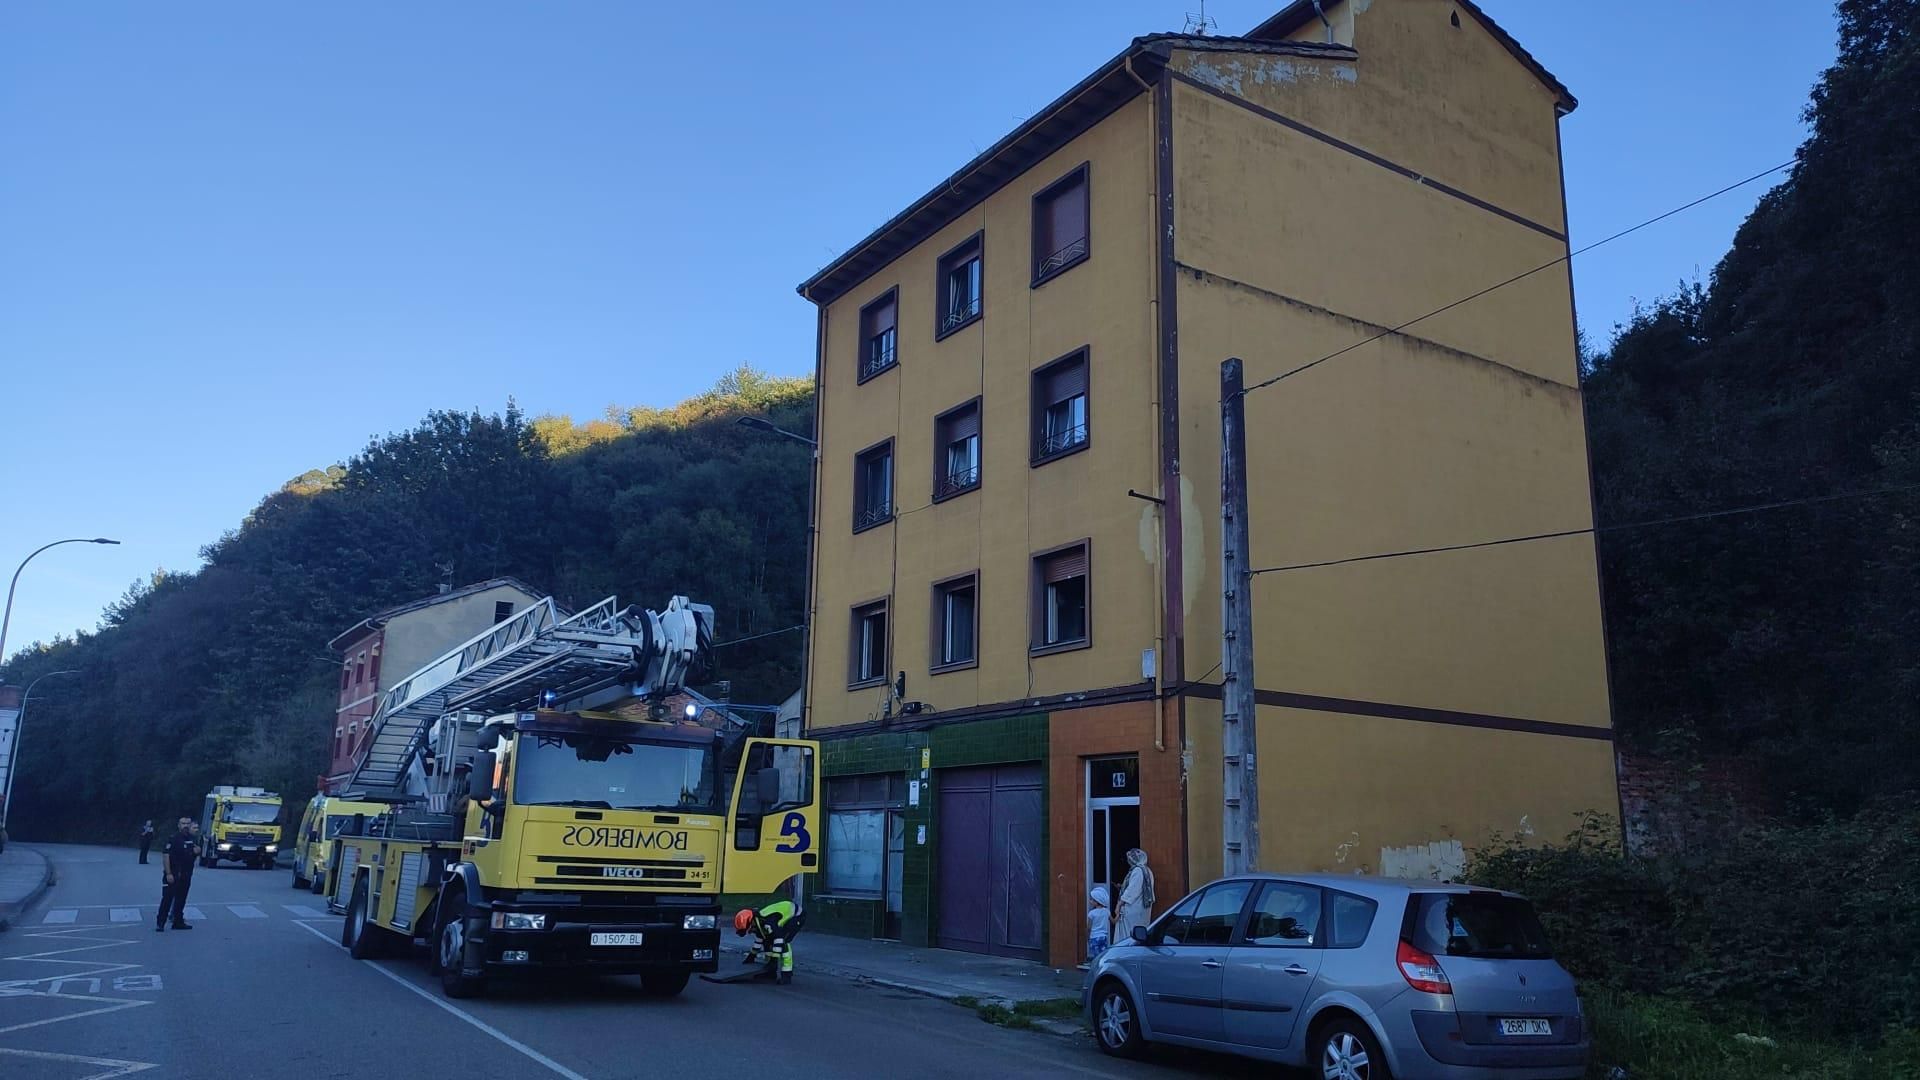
<point x="1345" y="1050"/>
<point x="1116" y="1022"/>
<point x="663" y="983"/>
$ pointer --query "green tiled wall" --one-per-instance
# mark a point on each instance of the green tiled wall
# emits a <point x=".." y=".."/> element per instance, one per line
<point x="1006" y="740"/>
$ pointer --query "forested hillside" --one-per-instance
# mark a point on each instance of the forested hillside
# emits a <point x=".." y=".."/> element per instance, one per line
<point x="1787" y="637"/>
<point x="222" y="675"/>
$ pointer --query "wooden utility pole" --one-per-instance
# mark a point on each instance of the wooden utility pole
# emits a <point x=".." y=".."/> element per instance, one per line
<point x="1240" y="790"/>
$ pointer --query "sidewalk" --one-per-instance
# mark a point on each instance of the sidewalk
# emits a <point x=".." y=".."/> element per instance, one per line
<point x="24" y="875"/>
<point x="941" y="973"/>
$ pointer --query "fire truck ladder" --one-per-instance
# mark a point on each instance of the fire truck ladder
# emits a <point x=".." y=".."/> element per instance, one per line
<point x="511" y="665"/>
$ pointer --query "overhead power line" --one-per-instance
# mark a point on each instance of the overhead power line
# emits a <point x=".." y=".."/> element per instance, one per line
<point x="1390" y="331"/>
<point x="1595" y="530"/>
<point x="757" y="637"/>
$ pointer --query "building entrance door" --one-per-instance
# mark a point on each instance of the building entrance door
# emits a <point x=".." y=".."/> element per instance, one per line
<point x="990" y="860"/>
<point x="1113" y="820"/>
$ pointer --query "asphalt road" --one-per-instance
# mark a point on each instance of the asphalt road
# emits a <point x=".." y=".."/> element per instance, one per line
<point x="260" y="988"/>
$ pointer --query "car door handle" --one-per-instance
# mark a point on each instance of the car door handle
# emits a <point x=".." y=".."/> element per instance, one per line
<point x="1210" y="963"/>
<point x="1295" y="969"/>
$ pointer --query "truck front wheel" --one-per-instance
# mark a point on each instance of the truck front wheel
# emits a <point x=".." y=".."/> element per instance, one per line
<point x="363" y="938"/>
<point x="457" y="947"/>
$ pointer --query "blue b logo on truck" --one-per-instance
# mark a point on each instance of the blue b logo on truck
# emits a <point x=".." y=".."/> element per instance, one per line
<point x="793" y="830"/>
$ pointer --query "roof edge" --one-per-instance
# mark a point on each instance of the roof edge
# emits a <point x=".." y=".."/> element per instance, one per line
<point x="1301" y="12"/>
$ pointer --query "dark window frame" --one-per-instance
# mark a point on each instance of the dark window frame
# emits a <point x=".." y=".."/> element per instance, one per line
<point x="1037" y="422"/>
<point x="936" y="623"/>
<point x="862" y="515"/>
<point x="944" y="265"/>
<point x="942" y="491"/>
<point x="1081" y="174"/>
<point x="1037" y="602"/>
<point x="862" y="371"/>
<point x="858" y="614"/>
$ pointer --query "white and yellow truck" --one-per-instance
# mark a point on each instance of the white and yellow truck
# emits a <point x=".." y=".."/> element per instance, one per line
<point x="312" y="843"/>
<point x="530" y="826"/>
<point x="240" y="824"/>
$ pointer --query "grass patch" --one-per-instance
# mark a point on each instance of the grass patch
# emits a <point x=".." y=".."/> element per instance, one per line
<point x="1658" y="1037"/>
<point x="1050" y="1008"/>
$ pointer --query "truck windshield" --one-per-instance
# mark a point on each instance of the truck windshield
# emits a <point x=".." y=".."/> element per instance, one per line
<point x="614" y="774"/>
<point x="253" y="813"/>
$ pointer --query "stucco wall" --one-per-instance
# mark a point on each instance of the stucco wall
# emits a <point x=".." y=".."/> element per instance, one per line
<point x="1464" y="428"/>
<point x="415" y="638"/>
<point x="1019" y="509"/>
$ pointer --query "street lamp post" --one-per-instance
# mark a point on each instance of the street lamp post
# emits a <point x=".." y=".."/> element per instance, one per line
<point x="19" y="731"/>
<point x="7" y="619"/>
<point x="761" y="423"/>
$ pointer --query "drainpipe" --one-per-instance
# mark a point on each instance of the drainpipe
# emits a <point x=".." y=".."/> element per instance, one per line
<point x="1318" y="10"/>
<point x="1159" y="519"/>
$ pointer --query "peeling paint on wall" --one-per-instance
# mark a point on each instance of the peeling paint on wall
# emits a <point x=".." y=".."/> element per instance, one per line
<point x="1442" y="860"/>
<point x="1232" y="75"/>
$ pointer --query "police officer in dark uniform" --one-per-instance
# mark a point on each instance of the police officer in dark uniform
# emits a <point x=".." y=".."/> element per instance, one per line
<point x="176" y="868"/>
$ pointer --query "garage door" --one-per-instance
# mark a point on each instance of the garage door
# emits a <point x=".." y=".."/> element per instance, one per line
<point x="989" y="862"/>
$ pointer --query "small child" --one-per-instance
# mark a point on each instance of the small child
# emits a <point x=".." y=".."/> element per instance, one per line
<point x="1097" y="919"/>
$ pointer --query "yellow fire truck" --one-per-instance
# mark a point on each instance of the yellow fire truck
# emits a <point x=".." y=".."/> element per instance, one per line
<point x="312" y="843"/>
<point x="240" y="824"/>
<point x="529" y="827"/>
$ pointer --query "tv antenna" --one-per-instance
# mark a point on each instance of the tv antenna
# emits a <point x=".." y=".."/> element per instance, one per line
<point x="1199" y="23"/>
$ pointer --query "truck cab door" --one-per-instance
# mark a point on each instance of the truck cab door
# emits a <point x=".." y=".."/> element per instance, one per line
<point x="773" y="819"/>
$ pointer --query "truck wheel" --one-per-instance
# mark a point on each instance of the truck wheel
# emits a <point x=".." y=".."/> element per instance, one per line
<point x="298" y="881"/>
<point x="317" y="885"/>
<point x="364" y="939"/>
<point x="663" y="984"/>
<point x="454" y="946"/>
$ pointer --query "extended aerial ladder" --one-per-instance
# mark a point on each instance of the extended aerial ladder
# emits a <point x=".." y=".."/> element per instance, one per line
<point x="535" y="658"/>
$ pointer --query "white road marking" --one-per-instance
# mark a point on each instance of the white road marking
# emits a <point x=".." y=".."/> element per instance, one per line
<point x="115" y="1066"/>
<point x="246" y="911"/>
<point x="61" y="915"/>
<point x="125" y="914"/>
<point x="304" y="912"/>
<point x="495" y="1032"/>
<point x="191" y="912"/>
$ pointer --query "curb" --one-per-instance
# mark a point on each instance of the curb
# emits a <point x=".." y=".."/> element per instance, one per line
<point x="1043" y="1026"/>
<point x="9" y="910"/>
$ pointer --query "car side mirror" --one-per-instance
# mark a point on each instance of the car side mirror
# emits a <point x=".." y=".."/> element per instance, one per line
<point x="480" y="780"/>
<point x="766" y="783"/>
<point x="1139" y="935"/>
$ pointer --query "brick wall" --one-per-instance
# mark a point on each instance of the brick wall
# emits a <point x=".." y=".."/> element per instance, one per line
<point x="1101" y="731"/>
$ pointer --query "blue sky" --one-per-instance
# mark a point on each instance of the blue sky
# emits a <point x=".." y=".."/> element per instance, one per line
<point x="238" y="239"/>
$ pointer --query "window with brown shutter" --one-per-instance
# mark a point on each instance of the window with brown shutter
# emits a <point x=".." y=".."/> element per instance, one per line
<point x="955" y="626"/>
<point x="959" y="285"/>
<point x="873" y="486"/>
<point x="1060" y="226"/>
<point x="1060" y="407"/>
<point x="878" y="335"/>
<point x="956" y="451"/>
<point x="1061" y="600"/>
<point x="867" y="648"/>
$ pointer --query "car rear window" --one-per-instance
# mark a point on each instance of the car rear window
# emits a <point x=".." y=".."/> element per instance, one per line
<point x="1479" y="924"/>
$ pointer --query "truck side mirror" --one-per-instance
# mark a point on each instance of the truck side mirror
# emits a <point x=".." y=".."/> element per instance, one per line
<point x="766" y="783"/>
<point x="480" y="780"/>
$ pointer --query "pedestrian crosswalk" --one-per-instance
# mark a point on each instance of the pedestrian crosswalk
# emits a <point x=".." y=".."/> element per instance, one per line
<point x="69" y="916"/>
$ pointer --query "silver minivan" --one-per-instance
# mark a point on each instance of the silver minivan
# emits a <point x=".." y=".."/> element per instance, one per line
<point x="1356" y="978"/>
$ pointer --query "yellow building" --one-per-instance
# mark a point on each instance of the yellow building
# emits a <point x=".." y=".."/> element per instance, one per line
<point x="1016" y="587"/>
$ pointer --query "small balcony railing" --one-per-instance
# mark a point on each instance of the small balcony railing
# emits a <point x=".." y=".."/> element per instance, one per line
<point x="1057" y="442"/>
<point x="960" y="313"/>
<point x="955" y="482"/>
<point x="1073" y="251"/>
<point x="877" y="359"/>
<point x="873" y="515"/>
